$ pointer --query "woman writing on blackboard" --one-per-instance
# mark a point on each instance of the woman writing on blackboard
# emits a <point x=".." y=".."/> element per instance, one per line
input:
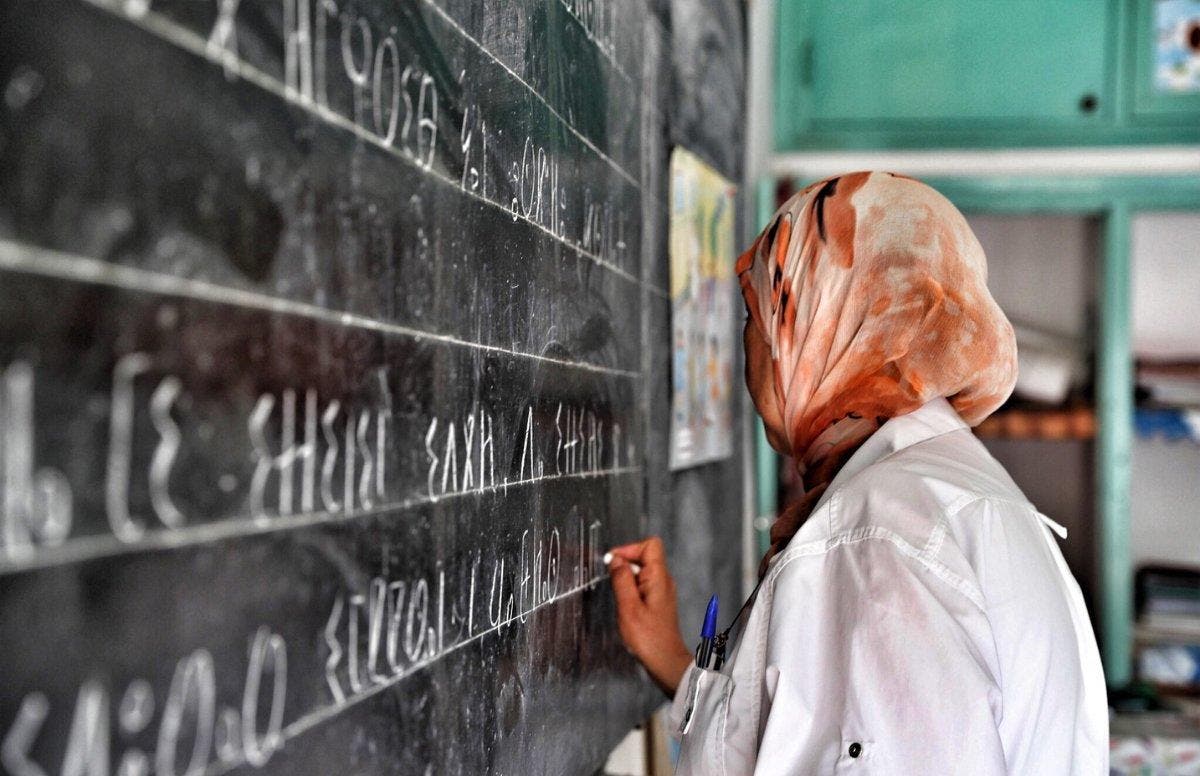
<point x="914" y="614"/>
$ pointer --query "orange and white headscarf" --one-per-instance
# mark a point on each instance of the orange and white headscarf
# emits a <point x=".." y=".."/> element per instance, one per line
<point x="871" y="290"/>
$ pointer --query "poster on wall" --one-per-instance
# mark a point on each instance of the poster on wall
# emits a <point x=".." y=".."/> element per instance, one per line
<point x="703" y="290"/>
<point x="1177" y="46"/>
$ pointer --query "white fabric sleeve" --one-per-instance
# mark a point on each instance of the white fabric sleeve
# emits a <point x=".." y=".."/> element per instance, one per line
<point x="884" y="666"/>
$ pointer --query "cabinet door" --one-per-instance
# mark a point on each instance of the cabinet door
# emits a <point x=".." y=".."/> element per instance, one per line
<point x="1166" y="68"/>
<point x="849" y="66"/>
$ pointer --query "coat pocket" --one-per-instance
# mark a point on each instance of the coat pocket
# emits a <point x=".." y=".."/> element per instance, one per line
<point x="705" y="717"/>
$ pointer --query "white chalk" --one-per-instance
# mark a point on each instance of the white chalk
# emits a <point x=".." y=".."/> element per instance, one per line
<point x="608" y="559"/>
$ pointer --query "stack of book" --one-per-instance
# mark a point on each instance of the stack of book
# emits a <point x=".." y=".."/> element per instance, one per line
<point x="1168" y="628"/>
<point x="1170" y="384"/>
<point x="1168" y="401"/>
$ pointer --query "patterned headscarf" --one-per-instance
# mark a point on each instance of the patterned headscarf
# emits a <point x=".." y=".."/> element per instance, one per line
<point x="871" y="290"/>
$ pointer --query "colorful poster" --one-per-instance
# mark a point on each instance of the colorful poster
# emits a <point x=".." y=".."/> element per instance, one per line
<point x="703" y="296"/>
<point x="1177" y="46"/>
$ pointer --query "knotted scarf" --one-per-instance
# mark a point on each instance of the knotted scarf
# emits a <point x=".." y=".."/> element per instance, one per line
<point x="871" y="290"/>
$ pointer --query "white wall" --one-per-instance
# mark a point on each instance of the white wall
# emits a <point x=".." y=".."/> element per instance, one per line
<point x="1166" y="285"/>
<point x="1040" y="268"/>
<point x="1166" y="502"/>
<point x="1166" y="314"/>
<point x="760" y="87"/>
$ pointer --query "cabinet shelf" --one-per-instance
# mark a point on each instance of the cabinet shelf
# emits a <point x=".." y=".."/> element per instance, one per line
<point x="1048" y="423"/>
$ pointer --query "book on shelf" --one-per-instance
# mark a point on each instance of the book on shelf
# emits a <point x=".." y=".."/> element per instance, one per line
<point x="1167" y="633"/>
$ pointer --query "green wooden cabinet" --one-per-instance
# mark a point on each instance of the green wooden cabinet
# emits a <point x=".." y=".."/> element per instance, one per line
<point x="969" y="73"/>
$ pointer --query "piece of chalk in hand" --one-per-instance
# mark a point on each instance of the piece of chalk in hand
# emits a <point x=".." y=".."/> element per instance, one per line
<point x="608" y="559"/>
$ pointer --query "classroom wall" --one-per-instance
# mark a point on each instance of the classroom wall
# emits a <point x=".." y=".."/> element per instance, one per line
<point x="1041" y="268"/>
<point x="760" y="84"/>
<point x="1165" y="497"/>
<point x="1166" y="287"/>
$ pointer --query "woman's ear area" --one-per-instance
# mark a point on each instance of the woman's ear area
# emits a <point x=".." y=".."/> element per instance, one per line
<point x="760" y="382"/>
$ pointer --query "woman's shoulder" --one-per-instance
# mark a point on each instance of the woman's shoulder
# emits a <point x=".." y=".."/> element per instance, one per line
<point x="908" y="501"/>
<point x="915" y="487"/>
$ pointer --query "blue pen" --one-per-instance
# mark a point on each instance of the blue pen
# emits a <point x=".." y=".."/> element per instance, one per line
<point x="707" y="633"/>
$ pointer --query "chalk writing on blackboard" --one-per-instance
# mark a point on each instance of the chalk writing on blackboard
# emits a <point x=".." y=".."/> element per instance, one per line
<point x="372" y="639"/>
<point x="397" y="109"/>
<point x="324" y="357"/>
<point x="189" y="713"/>
<point x="329" y="462"/>
<point x="36" y="505"/>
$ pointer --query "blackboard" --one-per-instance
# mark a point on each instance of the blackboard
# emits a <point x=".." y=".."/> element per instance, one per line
<point x="332" y="351"/>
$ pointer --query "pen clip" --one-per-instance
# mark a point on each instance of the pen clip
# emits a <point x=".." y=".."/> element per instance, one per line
<point x="719" y="649"/>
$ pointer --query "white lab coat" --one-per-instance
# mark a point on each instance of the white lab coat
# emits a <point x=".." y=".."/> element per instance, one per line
<point x="922" y="621"/>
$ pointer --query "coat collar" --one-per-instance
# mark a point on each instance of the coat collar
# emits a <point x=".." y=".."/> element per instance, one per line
<point x="933" y="419"/>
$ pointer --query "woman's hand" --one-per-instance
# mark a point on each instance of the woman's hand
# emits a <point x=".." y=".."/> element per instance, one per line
<point x="646" y="611"/>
